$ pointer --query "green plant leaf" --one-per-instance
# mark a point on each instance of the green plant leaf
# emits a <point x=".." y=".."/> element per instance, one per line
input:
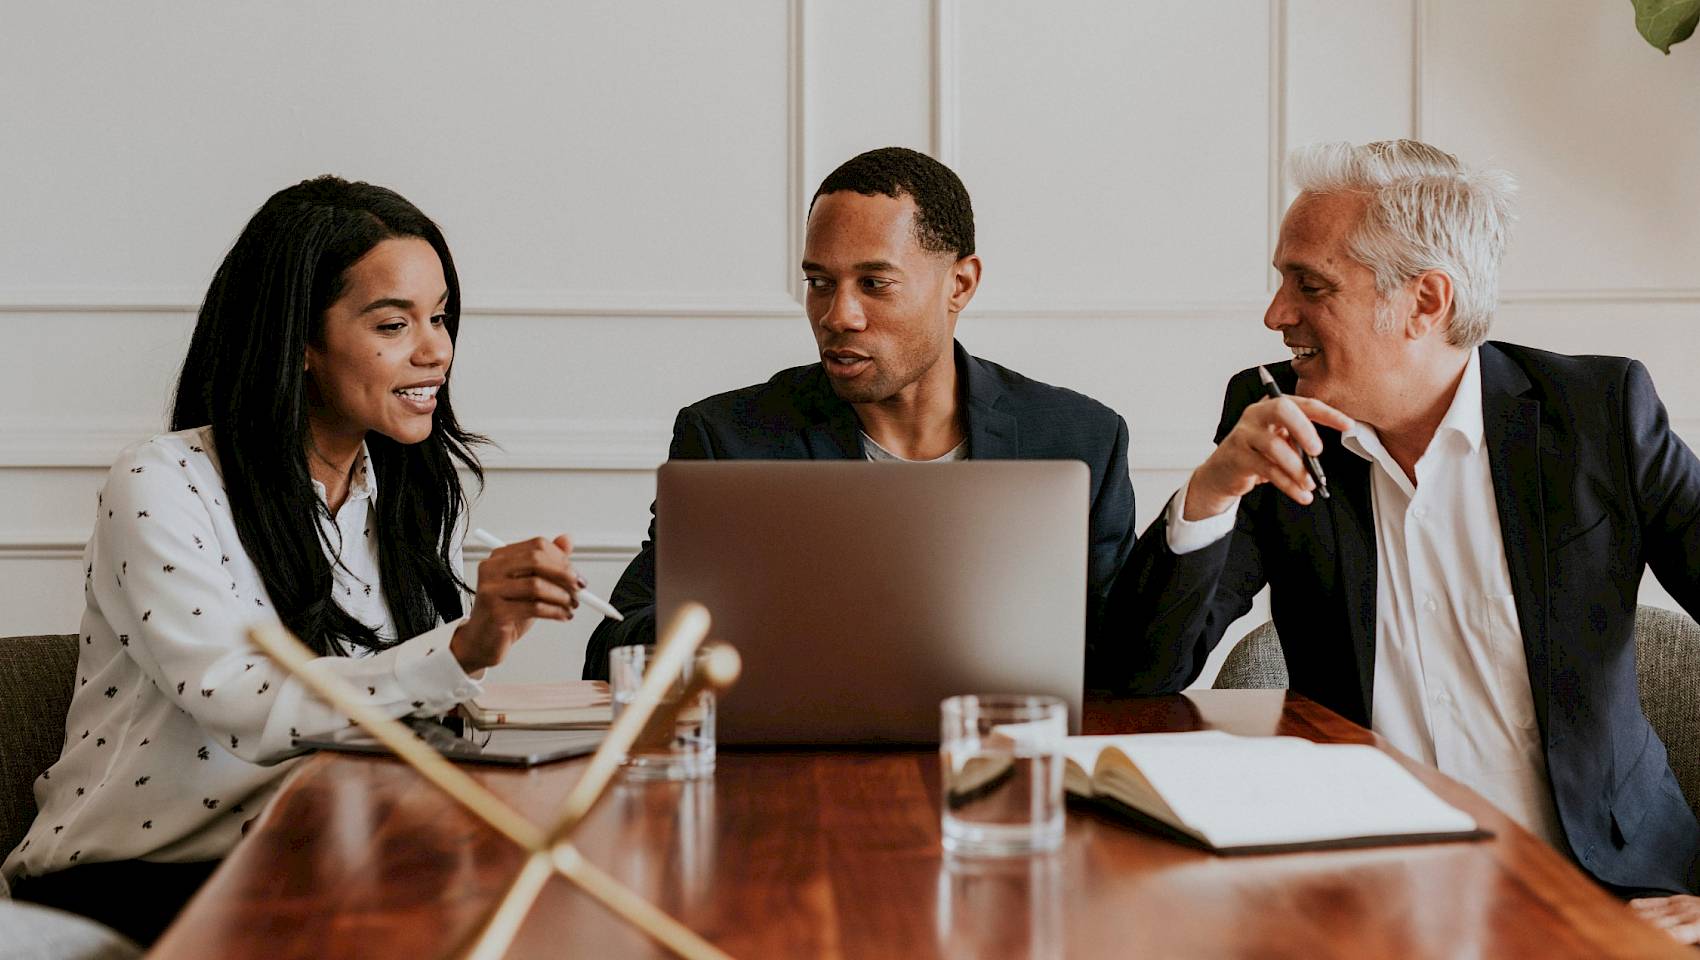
<point x="1664" y="22"/>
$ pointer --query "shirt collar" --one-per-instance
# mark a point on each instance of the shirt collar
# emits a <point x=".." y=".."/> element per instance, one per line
<point x="364" y="483"/>
<point x="874" y="451"/>
<point x="1464" y="417"/>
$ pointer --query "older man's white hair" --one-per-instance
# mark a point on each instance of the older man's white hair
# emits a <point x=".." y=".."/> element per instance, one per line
<point x="1426" y="212"/>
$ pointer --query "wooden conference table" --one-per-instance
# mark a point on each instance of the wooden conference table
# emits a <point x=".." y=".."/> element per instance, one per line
<point x="836" y="854"/>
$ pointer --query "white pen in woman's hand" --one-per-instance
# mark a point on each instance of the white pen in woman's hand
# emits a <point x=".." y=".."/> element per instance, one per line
<point x="585" y="597"/>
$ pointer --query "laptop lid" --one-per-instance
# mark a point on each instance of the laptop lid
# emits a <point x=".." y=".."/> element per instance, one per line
<point x="861" y="594"/>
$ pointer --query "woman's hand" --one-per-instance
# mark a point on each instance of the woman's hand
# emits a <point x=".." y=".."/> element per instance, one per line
<point x="517" y="584"/>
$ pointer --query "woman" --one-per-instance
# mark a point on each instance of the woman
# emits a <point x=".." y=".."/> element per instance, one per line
<point x="310" y="476"/>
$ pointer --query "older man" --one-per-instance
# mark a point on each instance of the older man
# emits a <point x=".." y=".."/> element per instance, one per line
<point x="888" y="265"/>
<point x="1468" y="590"/>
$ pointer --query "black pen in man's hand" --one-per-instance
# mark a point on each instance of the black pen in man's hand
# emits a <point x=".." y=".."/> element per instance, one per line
<point x="1311" y="463"/>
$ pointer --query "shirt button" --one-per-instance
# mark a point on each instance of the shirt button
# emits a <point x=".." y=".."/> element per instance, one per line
<point x="1430" y="605"/>
<point x="1442" y="698"/>
<point x="1419" y="512"/>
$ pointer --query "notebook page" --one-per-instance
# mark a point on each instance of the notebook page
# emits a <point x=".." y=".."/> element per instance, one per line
<point x="1253" y="791"/>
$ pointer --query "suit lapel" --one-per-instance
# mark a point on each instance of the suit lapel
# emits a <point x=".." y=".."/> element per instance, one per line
<point x="833" y="432"/>
<point x="1512" y="431"/>
<point x="992" y="434"/>
<point x="1347" y="521"/>
<point x="1351" y="512"/>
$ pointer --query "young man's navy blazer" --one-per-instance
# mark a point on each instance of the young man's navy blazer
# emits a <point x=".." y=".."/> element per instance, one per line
<point x="797" y="416"/>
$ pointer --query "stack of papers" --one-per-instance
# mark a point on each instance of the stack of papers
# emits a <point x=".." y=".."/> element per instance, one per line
<point x="565" y="705"/>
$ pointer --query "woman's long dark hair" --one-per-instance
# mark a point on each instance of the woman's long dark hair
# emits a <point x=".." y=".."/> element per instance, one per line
<point x="244" y="375"/>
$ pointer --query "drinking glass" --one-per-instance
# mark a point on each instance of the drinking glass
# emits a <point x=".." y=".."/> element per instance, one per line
<point x="1002" y="773"/>
<point x="689" y="753"/>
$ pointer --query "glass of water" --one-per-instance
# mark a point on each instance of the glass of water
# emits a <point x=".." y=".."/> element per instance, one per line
<point x="1001" y="762"/>
<point x="688" y="754"/>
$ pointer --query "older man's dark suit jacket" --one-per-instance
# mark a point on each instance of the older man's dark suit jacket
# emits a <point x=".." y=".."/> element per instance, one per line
<point x="797" y="416"/>
<point x="1590" y="484"/>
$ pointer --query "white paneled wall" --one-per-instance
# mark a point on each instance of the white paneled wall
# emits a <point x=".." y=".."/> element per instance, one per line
<point x="624" y="185"/>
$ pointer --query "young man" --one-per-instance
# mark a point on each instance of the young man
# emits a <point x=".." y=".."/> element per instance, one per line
<point x="889" y="264"/>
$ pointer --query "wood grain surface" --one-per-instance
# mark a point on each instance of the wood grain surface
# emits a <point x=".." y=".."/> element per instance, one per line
<point x="834" y="853"/>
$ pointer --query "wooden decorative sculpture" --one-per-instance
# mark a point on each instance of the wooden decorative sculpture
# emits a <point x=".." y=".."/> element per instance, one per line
<point x="551" y="850"/>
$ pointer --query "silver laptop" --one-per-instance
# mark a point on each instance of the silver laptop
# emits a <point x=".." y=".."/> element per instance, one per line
<point x="861" y="594"/>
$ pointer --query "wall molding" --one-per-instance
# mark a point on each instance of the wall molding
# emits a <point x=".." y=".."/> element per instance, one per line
<point x="1419" y="70"/>
<point x="1236" y="310"/>
<point x="578" y="445"/>
<point x="556" y="445"/>
<point x="796" y="145"/>
<point x="561" y="445"/>
<point x="1423" y="17"/>
<point x="521" y="444"/>
<point x="579" y="305"/>
<point x="53" y="444"/>
<point x="1627" y="296"/>
<point x="946" y="94"/>
<point x="1277" y="135"/>
<point x="180" y="301"/>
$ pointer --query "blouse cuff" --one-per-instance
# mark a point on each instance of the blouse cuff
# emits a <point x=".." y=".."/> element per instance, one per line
<point x="429" y="672"/>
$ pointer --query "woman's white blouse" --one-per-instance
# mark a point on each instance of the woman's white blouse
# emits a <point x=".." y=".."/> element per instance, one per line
<point x="179" y="730"/>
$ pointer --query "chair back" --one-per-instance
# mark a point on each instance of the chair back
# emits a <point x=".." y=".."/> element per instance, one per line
<point x="1667" y="664"/>
<point x="1255" y="663"/>
<point x="37" y="675"/>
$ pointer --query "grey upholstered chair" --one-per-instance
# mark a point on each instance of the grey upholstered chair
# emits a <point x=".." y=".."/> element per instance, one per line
<point x="36" y="677"/>
<point x="1255" y="663"/>
<point x="1667" y="661"/>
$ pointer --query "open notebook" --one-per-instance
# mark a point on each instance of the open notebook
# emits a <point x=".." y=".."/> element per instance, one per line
<point x="1237" y="794"/>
